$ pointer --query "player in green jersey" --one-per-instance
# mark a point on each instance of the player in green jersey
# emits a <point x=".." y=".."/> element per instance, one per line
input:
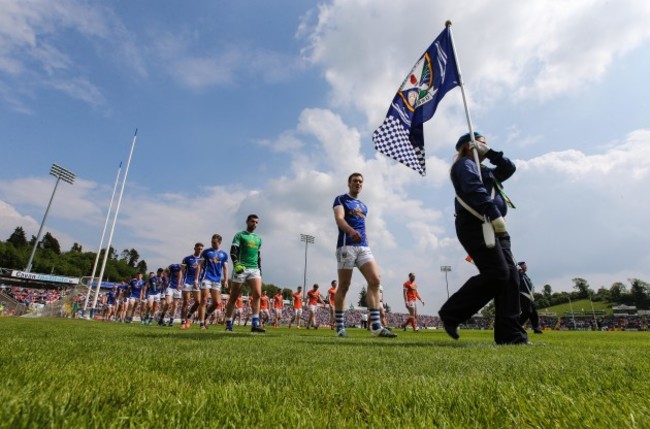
<point x="247" y="267"/>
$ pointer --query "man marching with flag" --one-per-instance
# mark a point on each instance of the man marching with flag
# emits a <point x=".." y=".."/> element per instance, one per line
<point x="480" y="204"/>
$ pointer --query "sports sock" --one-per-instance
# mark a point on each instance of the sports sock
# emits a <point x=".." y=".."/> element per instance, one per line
<point x="340" y="319"/>
<point x="374" y="319"/>
<point x="255" y="320"/>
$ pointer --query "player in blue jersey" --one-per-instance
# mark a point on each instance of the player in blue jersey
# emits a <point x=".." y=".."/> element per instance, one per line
<point x="109" y="303"/>
<point x="135" y="296"/>
<point x="152" y="291"/>
<point x="122" y="301"/>
<point x="352" y="251"/>
<point x="172" y="293"/>
<point x="214" y="267"/>
<point x="190" y="274"/>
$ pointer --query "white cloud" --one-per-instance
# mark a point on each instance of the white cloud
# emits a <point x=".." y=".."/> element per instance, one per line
<point x="34" y="53"/>
<point x="584" y="215"/>
<point x="533" y="50"/>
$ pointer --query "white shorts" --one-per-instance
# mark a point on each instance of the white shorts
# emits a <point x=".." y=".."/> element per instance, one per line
<point x="410" y="304"/>
<point x="278" y="312"/>
<point x="349" y="257"/>
<point x="297" y="312"/>
<point x="190" y="287"/>
<point x="133" y="300"/>
<point x="313" y="308"/>
<point x="173" y="292"/>
<point x="209" y="284"/>
<point x="248" y="273"/>
<point x="264" y="311"/>
<point x="153" y="298"/>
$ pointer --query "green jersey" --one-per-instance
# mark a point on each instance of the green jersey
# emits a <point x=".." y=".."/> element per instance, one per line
<point x="249" y="245"/>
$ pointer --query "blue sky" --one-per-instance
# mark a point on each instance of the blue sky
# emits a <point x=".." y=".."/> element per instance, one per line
<point x="266" y="107"/>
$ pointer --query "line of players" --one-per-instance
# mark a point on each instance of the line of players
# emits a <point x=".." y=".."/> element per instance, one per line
<point x="159" y="296"/>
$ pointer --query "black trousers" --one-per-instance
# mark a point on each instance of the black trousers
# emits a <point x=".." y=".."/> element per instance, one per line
<point x="528" y="311"/>
<point x="498" y="279"/>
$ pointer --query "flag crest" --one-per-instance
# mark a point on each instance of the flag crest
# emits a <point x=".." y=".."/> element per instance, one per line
<point x="401" y="135"/>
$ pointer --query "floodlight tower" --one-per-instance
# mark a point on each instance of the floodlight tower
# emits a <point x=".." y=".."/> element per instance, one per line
<point x="446" y="269"/>
<point x="61" y="174"/>
<point x="307" y="239"/>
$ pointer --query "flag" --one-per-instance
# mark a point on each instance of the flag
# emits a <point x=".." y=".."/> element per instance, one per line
<point x="401" y="135"/>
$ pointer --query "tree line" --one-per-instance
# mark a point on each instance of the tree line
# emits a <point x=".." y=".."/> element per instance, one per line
<point x="50" y="259"/>
<point x="638" y="294"/>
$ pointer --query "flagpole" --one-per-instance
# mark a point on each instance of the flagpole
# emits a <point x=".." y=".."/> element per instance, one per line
<point x="101" y="240"/>
<point x="462" y="91"/>
<point x="117" y="211"/>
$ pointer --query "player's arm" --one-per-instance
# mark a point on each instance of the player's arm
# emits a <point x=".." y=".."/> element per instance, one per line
<point x="225" y="273"/>
<point x="197" y="272"/>
<point x="339" y="218"/>
<point x="182" y="273"/>
<point x="404" y="291"/>
<point x="419" y="297"/>
<point x="234" y="257"/>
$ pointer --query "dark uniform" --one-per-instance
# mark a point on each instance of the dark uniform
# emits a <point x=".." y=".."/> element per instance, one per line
<point x="526" y="300"/>
<point x="498" y="278"/>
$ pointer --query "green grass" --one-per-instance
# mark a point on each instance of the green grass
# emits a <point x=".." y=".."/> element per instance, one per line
<point x="59" y="373"/>
<point x="580" y="305"/>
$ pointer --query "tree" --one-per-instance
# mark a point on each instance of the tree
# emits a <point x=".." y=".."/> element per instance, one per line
<point x="617" y="290"/>
<point x="76" y="248"/>
<point x="49" y="242"/>
<point x="602" y="295"/>
<point x="18" y="238"/>
<point x="141" y="267"/>
<point x="639" y="292"/>
<point x="130" y="256"/>
<point x="547" y="291"/>
<point x="582" y="288"/>
<point x="362" y="297"/>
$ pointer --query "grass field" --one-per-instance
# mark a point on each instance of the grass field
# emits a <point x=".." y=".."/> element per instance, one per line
<point x="61" y="373"/>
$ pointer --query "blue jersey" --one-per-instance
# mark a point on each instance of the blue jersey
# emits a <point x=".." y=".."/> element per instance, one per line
<point x="174" y="269"/>
<point x="110" y="296"/>
<point x="355" y="215"/>
<point x="123" y="290"/>
<point x="154" y="285"/>
<point x="191" y="264"/>
<point x="136" y="287"/>
<point x="213" y="262"/>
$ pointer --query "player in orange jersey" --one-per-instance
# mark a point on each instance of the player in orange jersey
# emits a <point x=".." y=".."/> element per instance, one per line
<point x="297" y="308"/>
<point x="331" y="293"/>
<point x="411" y="296"/>
<point x="278" y="306"/>
<point x="313" y="300"/>
<point x="265" y="315"/>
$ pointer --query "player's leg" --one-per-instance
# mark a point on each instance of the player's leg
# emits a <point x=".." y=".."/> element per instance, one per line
<point x="370" y="271"/>
<point x="235" y="291"/>
<point x="255" y="284"/>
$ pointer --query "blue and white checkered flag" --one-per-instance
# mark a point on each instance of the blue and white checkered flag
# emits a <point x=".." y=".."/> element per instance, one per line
<point x="401" y="135"/>
<point x="392" y="139"/>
